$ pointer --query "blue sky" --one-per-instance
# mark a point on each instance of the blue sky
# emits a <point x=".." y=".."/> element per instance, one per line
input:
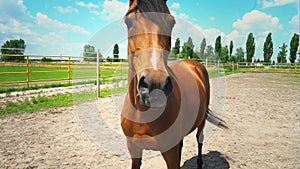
<point x="55" y="27"/>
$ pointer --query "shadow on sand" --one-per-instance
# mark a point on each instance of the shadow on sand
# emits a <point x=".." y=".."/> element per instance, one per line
<point x="212" y="160"/>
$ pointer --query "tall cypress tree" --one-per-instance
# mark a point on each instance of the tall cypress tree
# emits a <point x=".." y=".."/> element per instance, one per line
<point x="231" y="48"/>
<point x="268" y="48"/>
<point x="281" y="57"/>
<point x="176" y="48"/>
<point x="218" y="47"/>
<point x="202" y="47"/>
<point x="250" y="47"/>
<point x="116" y="53"/>
<point x="294" y="44"/>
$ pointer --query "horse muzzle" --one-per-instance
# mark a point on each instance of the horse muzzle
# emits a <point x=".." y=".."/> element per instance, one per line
<point x="153" y="91"/>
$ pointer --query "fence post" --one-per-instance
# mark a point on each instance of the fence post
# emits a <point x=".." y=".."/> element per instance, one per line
<point x="206" y="64"/>
<point x="98" y="74"/>
<point x="27" y="71"/>
<point x="121" y="69"/>
<point x="69" y="69"/>
<point x="218" y="66"/>
<point x="296" y="71"/>
<point x="232" y="66"/>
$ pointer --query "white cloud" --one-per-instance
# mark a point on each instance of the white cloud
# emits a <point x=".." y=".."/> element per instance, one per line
<point x="184" y="29"/>
<point x="113" y="9"/>
<point x="43" y="35"/>
<point x="95" y="12"/>
<point x="257" y="22"/>
<point x="179" y="16"/>
<point x="233" y="35"/>
<point x="175" y="5"/>
<point x="183" y="16"/>
<point x="212" y="18"/>
<point x="67" y="9"/>
<point x="295" y="20"/>
<point x="15" y="21"/>
<point x="87" y="5"/>
<point x="273" y="3"/>
<point x="45" y="21"/>
<point x="14" y="9"/>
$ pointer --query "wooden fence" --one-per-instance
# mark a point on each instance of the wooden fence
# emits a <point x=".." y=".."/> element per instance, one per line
<point x="72" y="68"/>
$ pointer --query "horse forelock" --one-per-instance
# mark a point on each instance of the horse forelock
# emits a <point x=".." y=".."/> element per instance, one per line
<point x="155" y="10"/>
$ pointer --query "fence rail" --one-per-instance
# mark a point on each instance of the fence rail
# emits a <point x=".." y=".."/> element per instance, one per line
<point x="32" y="71"/>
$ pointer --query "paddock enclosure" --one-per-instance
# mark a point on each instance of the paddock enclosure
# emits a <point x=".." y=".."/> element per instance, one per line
<point x="260" y="109"/>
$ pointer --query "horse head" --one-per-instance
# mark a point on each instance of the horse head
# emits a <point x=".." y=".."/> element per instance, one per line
<point x="149" y="43"/>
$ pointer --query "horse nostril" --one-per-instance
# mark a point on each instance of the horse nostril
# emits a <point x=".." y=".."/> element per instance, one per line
<point x="168" y="86"/>
<point x="143" y="83"/>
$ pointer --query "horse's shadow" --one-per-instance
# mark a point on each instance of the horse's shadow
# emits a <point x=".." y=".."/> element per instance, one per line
<point x="211" y="160"/>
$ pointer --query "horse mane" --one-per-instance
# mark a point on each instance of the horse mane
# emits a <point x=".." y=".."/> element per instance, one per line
<point x="156" y="11"/>
<point x="152" y="6"/>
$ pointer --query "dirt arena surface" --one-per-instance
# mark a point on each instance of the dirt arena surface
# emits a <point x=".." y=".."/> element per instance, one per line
<point x="261" y="111"/>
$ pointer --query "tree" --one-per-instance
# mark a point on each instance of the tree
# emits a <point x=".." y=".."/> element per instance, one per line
<point x="202" y="48"/>
<point x="250" y="47"/>
<point x="294" y="44"/>
<point x="218" y="47"/>
<point x="13" y="47"/>
<point x="176" y="49"/>
<point x="209" y="53"/>
<point x="188" y="49"/>
<point x="224" y="54"/>
<point x="89" y="53"/>
<point x="45" y="59"/>
<point x="116" y="53"/>
<point x="240" y="54"/>
<point x="281" y="57"/>
<point x="231" y="48"/>
<point x="268" y="48"/>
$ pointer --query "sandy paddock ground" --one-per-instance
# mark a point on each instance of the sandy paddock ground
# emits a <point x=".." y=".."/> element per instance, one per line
<point x="261" y="111"/>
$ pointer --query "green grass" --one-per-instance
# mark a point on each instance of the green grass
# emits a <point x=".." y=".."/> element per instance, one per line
<point x="37" y="74"/>
<point x="41" y="102"/>
<point x="36" y="103"/>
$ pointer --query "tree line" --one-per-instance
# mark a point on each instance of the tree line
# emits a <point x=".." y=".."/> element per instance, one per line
<point x="221" y="52"/>
<point x="224" y="53"/>
<point x="90" y="54"/>
<point x="18" y="46"/>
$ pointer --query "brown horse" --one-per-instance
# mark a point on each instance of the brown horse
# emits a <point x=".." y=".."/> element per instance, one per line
<point x="165" y="101"/>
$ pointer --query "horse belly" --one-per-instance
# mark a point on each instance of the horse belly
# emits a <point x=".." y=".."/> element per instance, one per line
<point x="145" y="142"/>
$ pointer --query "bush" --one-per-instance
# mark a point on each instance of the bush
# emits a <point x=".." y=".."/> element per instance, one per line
<point x="44" y="59"/>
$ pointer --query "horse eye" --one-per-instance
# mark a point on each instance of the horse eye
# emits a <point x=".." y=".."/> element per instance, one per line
<point x="128" y="22"/>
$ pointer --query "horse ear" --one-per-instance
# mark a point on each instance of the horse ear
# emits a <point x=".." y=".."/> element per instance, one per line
<point x="130" y="2"/>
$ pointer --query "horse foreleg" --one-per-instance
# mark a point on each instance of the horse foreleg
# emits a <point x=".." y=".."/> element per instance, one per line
<point x="180" y="150"/>
<point x="136" y="155"/>
<point x="200" y="138"/>
<point x="172" y="157"/>
<point x="136" y="163"/>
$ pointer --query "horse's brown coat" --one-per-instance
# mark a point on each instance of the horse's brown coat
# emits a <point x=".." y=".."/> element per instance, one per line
<point x="187" y="104"/>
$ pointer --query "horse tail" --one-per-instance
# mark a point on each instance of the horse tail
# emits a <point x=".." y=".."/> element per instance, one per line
<point x="212" y="118"/>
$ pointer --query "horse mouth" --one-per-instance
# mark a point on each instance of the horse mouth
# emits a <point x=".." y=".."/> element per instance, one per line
<point x="155" y="99"/>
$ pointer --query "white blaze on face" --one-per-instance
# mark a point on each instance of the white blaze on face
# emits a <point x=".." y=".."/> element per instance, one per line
<point x="154" y="59"/>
